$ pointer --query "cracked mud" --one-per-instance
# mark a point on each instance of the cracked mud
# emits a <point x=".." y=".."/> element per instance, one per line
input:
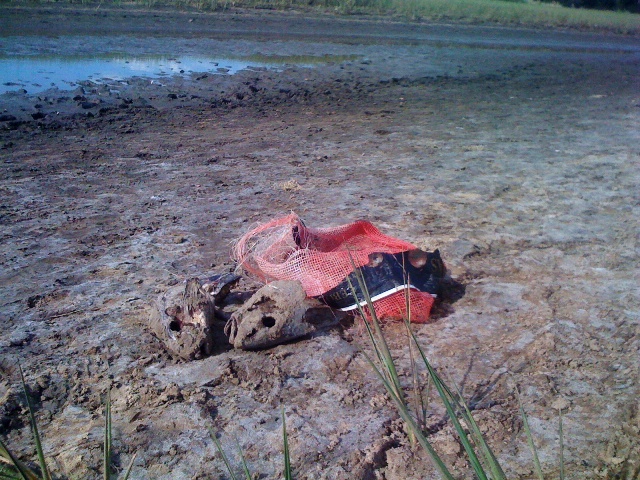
<point x="515" y="152"/>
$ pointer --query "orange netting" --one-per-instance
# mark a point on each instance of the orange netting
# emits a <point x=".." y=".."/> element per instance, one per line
<point x="321" y="258"/>
<point x="393" y="307"/>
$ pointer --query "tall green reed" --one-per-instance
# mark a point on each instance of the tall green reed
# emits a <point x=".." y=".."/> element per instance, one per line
<point x="479" y="454"/>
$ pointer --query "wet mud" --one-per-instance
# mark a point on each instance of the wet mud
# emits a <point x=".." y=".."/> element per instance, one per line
<point x="515" y="152"/>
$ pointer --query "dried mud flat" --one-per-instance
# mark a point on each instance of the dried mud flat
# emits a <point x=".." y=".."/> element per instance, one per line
<point x="515" y="152"/>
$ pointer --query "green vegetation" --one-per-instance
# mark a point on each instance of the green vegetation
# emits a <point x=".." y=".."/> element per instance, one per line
<point x="516" y="13"/>
<point x="481" y="458"/>
<point x="532" y="447"/>
<point x="13" y="469"/>
<point x="532" y="13"/>
<point x="287" y="472"/>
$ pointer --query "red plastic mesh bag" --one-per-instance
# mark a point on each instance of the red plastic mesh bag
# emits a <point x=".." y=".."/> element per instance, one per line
<point x="321" y="259"/>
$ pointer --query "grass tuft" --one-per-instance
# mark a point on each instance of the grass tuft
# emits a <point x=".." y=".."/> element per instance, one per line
<point x="107" y="437"/>
<point x="532" y="446"/>
<point x="561" y="435"/>
<point x="479" y="454"/>
<point x="13" y="469"/>
<point x="34" y="428"/>
<point x="287" y="471"/>
<point x="386" y="371"/>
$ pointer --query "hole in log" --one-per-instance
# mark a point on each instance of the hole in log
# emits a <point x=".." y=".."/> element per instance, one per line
<point x="174" y="325"/>
<point x="268" y="321"/>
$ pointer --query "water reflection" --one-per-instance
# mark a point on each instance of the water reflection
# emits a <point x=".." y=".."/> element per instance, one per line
<point x="38" y="73"/>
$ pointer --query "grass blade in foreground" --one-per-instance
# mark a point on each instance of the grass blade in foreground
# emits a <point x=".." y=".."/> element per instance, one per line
<point x="222" y="454"/>
<point x="18" y="470"/>
<point x="389" y="376"/>
<point x="448" y="400"/>
<point x="128" y="471"/>
<point x="478" y="439"/>
<point x="107" y="437"/>
<point x="561" y="445"/>
<point x="532" y="446"/>
<point x="405" y="414"/>
<point x="245" y="467"/>
<point x="379" y="341"/>
<point x="108" y="442"/>
<point x="458" y="404"/>
<point x="420" y="408"/>
<point x="21" y="470"/>
<point x="34" y="427"/>
<point x="287" y="458"/>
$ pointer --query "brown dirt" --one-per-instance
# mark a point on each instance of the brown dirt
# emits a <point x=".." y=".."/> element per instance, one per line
<point x="516" y="152"/>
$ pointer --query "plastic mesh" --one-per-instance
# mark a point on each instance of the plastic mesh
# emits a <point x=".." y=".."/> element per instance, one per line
<point x="393" y="307"/>
<point x="321" y="258"/>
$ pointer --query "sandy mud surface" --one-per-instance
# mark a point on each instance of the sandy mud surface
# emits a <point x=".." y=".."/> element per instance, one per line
<point x="515" y="152"/>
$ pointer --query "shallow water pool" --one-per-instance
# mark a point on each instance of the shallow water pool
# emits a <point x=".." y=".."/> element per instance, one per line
<point x="37" y="73"/>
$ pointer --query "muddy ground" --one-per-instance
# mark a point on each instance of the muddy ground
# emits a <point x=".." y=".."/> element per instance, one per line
<point x="516" y="152"/>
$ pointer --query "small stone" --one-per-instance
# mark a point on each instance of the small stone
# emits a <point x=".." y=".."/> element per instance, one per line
<point x="20" y="338"/>
<point x="450" y="446"/>
<point x="560" y="403"/>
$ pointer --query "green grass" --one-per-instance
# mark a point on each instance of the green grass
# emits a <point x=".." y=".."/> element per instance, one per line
<point x="529" y="13"/>
<point x="13" y="469"/>
<point x="532" y="445"/>
<point x="517" y="13"/>
<point x="561" y="435"/>
<point x="287" y="472"/>
<point x="479" y="454"/>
